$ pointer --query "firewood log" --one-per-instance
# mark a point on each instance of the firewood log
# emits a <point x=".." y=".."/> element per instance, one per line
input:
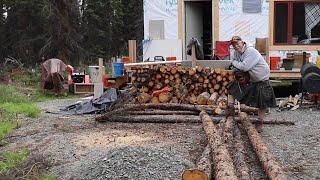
<point x="174" y="100"/>
<point x="213" y="99"/>
<point x="272" y="168"/>
<point x="203" y="98"/>
<point x="203" y="169"/>
<point x="155" y="100"/>
<point x="144" y="98"/>
<point x="173" y="70"/>
<point x="165" y="97"/>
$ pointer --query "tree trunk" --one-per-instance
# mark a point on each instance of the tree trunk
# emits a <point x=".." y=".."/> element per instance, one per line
<point x="243" y="170"/>
<point x="272" y="168"/>
<point x="224" y="168"/>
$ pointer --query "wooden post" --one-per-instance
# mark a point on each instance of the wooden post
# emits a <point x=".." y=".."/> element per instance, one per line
<point x="132" y="50"/>
<point x="98" y="86"/>
<point x="193" y="55"/>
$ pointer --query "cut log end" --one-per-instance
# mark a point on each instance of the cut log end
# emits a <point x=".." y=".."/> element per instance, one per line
<point x="194" y="174"/>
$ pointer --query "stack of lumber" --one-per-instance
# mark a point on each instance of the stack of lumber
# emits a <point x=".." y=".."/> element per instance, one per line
<point x="178" y="84"/>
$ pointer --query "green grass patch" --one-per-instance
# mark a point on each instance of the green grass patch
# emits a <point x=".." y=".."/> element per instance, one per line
<point x="38" y="96"/>
<point x="11" y="160"/>
<point x="28" y="109"/>
<point x="6" y="127"/>
<point x="11" y="94"/>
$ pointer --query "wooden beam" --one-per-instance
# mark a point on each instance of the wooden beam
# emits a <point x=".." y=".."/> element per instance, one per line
<point x="193" y="56"/>
<point x="300" y="47"/>
<point x="285" y="74"/>
<point x="216" y="21"/>
<point x="132" y="50"/>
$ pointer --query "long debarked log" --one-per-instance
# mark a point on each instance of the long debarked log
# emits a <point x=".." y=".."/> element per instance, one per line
<point x="242" y="168"/>
<point x="162" y="112"/>
<point x="173" y="118"/>
<point x="224" y="168"/>
<point x="272" y="168"/>
<point x="228" y="129"/>
<point x="154" y="119"/>
<point x="186" y="107"/>
<point x="203" y="170"/>
<point x="173" y="106"/>
<point x="168" y="106"/>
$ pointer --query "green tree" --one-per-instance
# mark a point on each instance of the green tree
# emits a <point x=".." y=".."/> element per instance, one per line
<point x="22" y="29"/>
<point x="63" y="37"/>
<point x="2" y="22"/>
<point x="133" y="20"/>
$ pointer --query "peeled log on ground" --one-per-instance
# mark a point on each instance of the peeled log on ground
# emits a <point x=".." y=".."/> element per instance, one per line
<point x="272" y="168"/>
<point x="224" y="168"/>
<point x="154" y="119"/>
<point x="242" y="168"/>
<point x="162" y="112"/>
<point x="228" y="129"/>
<point x="203" y="171"/>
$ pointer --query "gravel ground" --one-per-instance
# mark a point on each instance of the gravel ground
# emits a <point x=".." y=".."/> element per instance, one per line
<point x="79" y="148"/>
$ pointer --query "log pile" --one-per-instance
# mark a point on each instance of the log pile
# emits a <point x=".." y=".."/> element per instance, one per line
<point x="178" y="84"/>
<point x="224" y="156"/>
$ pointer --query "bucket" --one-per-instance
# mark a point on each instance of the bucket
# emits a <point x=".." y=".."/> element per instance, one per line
<point x="288" y="63"/>
<point x="94" y="73"/>
<point x="118" y="69"/>
<point x="274" y="63"/>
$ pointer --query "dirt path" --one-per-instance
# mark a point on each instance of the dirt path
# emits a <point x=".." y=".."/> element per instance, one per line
<point x="79" y="148"/>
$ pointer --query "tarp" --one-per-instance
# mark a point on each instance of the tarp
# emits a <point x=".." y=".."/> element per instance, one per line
<point x="93" y="106"/>
<point x="233" y="21"/>
<point x="166" y="10"/>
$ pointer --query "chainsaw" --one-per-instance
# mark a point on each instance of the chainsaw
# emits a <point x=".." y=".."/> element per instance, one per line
<point x="242" y="77"/>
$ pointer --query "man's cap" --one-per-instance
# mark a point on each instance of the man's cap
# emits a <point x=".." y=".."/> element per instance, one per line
<point x="235" y="39"/>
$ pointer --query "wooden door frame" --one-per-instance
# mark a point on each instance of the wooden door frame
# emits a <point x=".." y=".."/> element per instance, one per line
<point x="181" y="22"/>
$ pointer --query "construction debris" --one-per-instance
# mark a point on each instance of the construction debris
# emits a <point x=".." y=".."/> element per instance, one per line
<point x="290" y="103"/>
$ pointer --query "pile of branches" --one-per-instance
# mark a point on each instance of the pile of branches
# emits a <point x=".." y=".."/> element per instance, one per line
<point x="217" y="160"/>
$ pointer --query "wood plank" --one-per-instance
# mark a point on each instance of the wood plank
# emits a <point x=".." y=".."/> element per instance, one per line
<point x="132" y="50"/>
<point x="81" y="88"/>
<point x="283" y="74"/>
<point x="216" y="22"/>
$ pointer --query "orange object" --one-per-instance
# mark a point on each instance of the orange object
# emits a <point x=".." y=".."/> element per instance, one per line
<point x="163" y="90"/>
<point x="126" y="59"/>
<point x="86" y="79"/>
<point x="173" y="58"/>
<point x="274" y="63"/>
<point x="105" y="80"/>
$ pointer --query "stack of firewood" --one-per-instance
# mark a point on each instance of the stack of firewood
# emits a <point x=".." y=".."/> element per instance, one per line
<point x="178" y="84"/>
<point x="290" y="102"/>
